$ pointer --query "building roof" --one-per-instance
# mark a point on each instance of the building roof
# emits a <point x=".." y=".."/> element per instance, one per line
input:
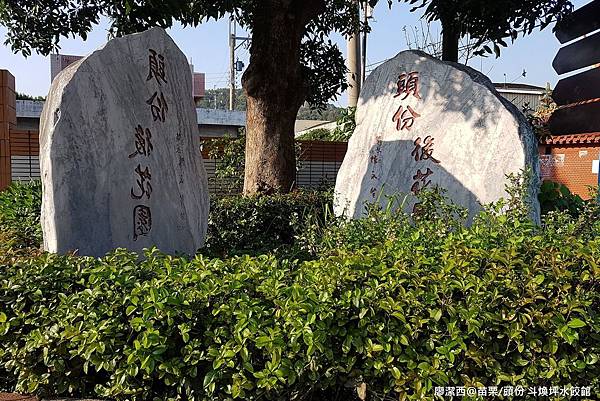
<point x="33" y="109"/>
<point x="303" y="126"/>
<point x="221" y="117"/>
<point x="515" y="86"/>
<point x="592" y="138"/>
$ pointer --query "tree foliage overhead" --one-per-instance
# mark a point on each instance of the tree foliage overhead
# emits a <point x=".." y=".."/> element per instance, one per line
<point x="493" y="21"/>
<point x="38" y="25"/>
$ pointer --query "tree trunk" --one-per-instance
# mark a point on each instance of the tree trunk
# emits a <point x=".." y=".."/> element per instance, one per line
<point x="275" y="88"/>
<point x="450" y="39"/>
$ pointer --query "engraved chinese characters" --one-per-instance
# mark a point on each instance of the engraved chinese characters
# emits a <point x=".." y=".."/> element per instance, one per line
<point x="423" y="123"/>
<point x="408" y="84"/>
<point x="138" y="181"/>
<point x="142" y="214"/>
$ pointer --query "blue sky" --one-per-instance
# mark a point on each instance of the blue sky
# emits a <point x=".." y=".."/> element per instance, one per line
<point x="207" y="47"/>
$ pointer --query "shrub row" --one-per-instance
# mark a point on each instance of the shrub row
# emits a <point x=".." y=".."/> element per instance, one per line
<point x="236" y="224"/>
<point x="261" y="224"/>
<point x="294" y="224"/>
<point x="20" y="205"/>
<point x="407" y="308"/>
<point x="557" y="197"/>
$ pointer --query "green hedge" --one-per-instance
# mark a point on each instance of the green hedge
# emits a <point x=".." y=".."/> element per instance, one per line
<point x="262" y="224"/>
<point x="20" y="205"/>
<point x="557" y="197"/>
<point x="345" y="126"/>
<point x="236" y="224"/>
<point x="292" y="224"/>
<point x="413" y="306"/>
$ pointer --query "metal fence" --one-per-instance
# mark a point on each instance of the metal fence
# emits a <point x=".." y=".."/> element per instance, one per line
<point x="222" y="185"/>
<point x="319" y="163"/>
<point x="316" y="168"/>
<point x="24" y="155"/>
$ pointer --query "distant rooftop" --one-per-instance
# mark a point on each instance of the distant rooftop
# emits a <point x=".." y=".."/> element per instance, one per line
<point x="221" y="117"/>
<point x="518" y="87"/>
<point x="33" y="109"/>
<point x="305" y="125"/>
<point x="592" y="138"/>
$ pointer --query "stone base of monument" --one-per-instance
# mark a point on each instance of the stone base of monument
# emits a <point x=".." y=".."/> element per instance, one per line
<point x="424" y="123"/>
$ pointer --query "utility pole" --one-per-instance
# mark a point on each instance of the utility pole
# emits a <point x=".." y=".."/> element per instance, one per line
<point x="232" y="34"/>
<point x="353" y="63"/>
<point x="216" y="95"/>
<point x="368" y="11"/>
<point x="234" y="66"/>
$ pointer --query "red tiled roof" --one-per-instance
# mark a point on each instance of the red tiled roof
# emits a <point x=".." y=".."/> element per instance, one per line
<point x="591" y="138"/>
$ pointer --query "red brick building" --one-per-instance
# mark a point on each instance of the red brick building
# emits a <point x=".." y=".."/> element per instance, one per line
<point x="571" y="160"/>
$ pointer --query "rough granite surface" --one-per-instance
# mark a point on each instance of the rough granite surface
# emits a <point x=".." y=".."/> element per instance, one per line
<point x="446" y="126"/>
<point x="120" y="154"/>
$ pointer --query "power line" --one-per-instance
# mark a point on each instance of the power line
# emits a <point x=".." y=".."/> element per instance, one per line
<point x="377" y="63"/>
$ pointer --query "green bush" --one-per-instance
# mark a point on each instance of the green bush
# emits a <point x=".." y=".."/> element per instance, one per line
<point x="262" y="224"/>
<point x="345" y="126"/>
<point x="431" y="303"/>
<point x="317" y="134"/>
<point x="20" y="206"/>
<point x="557" y="197"/>
<point x="236" y="225"/>
<point x="229" y="154"/>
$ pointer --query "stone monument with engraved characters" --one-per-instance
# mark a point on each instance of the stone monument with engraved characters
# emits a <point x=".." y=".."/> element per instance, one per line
<point x="422" y="123"/>
<point x="119" y="152"/>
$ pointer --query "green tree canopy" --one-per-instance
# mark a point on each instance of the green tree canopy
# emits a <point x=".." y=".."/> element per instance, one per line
<point x="292" y="61"/>
<point x="38" y="25"/>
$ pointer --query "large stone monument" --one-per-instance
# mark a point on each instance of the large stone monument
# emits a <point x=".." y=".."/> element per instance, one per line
<point x="120" y="153"/>
<point x="421" y="123"/>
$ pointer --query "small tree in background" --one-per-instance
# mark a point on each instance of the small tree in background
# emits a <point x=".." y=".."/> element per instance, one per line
<point x="539" y="117"/>
<point x="546" y="108"/>
<point x="487" y="22"/>
<point x="421" y="37"/>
